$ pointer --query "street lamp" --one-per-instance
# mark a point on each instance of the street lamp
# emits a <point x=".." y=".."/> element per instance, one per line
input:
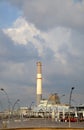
<point x="62" y="96"/>
<point x="58" y="107"/>
<point x="7" y="98"/>
<point x="14" y="105"/>
<point x="30" y="107"/>
<point x="70" y="103"/>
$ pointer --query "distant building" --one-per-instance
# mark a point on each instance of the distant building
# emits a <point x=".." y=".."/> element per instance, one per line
<point x="51" y="107"/>
<point x="54" y="99"/>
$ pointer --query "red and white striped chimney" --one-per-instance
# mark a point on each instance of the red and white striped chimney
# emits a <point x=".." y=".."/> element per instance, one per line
<point x="39" y="82"/>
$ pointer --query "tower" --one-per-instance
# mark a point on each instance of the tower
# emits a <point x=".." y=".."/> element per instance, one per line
<point x="39" y="82"/>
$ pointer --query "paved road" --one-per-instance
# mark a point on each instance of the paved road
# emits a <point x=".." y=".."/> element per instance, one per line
<point x="40" y="123"/>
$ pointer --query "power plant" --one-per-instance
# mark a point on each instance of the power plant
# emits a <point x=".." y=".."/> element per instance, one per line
<point x="39" y="82"/>
<point x="51" y="106"/>
<point x="53" y="98"/>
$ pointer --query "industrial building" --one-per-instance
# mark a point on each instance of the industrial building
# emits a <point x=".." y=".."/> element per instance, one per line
<point x="52" y="107"/>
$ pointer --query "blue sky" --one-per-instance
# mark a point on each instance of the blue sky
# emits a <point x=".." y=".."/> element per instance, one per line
<point x="8" y="14"/>
<point x="46" y="31"/>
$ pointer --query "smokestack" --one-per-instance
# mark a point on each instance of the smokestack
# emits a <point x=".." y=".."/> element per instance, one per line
<point x="39" y="82"/>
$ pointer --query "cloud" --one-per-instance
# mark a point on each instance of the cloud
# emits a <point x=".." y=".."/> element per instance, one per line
<point x="59" y="43"/>
<point x="46" y="14"/>
<point x="24" y="33"/>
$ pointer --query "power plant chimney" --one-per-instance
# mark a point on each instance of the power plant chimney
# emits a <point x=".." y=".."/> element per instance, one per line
<point x="39" y="82"/>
